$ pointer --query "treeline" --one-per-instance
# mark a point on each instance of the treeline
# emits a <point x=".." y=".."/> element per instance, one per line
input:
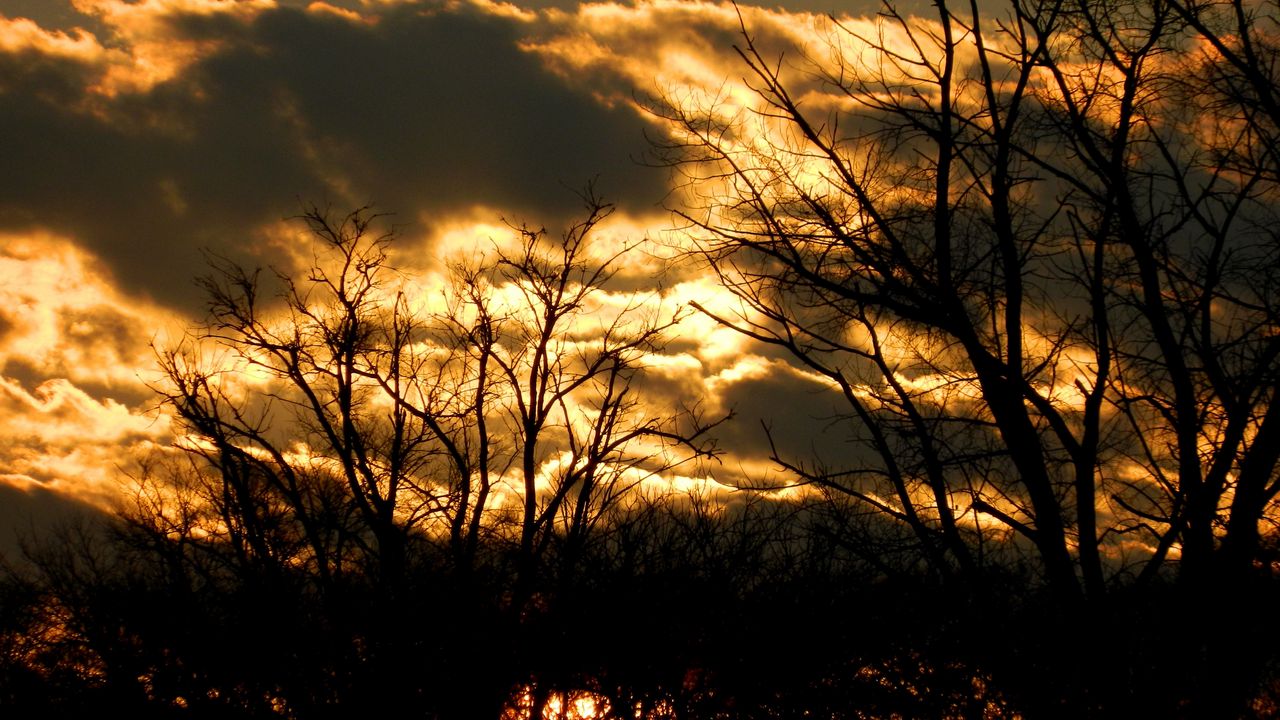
<point x="682" y="608"/>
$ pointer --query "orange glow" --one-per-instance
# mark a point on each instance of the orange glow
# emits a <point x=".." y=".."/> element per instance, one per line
<point x="559" y="705"/>
<point x="21" y="34"/>
<point x="155" y="53"/>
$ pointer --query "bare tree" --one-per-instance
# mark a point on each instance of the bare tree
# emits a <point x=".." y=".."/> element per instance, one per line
<point x="275" y="451"/>
<point x="1036" y="253"/>
<point x="375" y="421"/>
<point x="1228" y="293"/>
<point x="1034" y="246"/>
<point x="537" y="388"/>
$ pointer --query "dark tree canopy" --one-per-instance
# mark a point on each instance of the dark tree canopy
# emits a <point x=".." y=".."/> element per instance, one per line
<point x="1037" y="251"/>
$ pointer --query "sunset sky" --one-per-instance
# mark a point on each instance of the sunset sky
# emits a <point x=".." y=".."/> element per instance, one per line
<point x="137" y="137"/>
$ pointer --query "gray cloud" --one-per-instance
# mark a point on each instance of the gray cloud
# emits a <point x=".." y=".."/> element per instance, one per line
<point x="423" y="112"/>
<point x="806" y="421"/>
<point x="30" y="515"/>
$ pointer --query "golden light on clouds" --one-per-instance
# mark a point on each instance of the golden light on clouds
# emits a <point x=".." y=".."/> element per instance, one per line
<point x="884" y="312"/>
<point x="347" y="14"/>
<point x="156" y="50"/>
<point x="82" y="344"/>
<point x="20" y="34"/>
<point x="63" y="317"/>
<point x="657" y="46"/>
<point x="78" y="330"/>
<point x="62" y="439"/>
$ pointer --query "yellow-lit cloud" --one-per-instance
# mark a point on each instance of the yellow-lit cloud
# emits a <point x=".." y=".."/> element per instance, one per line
<point x="62" y="317"/>
<point x="75" y="357"/>
<point x="20" y="34"/>
<point x="61" y="438"/>
<point x="158" y="50"/>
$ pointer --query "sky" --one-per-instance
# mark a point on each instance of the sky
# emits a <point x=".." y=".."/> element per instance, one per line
<point x="139" y="138"/>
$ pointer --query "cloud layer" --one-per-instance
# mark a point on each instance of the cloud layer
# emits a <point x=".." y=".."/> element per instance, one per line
<point x="193" y="124"/>
<point x="139" y="136"/>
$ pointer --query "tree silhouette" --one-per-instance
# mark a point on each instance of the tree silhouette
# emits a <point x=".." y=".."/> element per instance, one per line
<point x="378" y="420"/>
<point x="1034" y="247"/>
<point x="362" y="448"/>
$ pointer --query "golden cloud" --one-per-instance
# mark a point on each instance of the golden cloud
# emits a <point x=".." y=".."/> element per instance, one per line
<point x="20" y="34"/>
<point x="83" y="347"/>
<point x="81" y="344"/>
<point x="61" y="438"/>
<point x="62" y="317"/>
<point x="157" y="49"/>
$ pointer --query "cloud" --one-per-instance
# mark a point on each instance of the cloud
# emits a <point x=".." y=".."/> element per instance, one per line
<point x="137" y="134"/>
<point x="61" y="318"/>
<point x="187" y="127"/>
<point x="60" y="438"/>
<point x="30" y="512"/>
<point x="75" y="355"/>
<point x="186" y="124"/>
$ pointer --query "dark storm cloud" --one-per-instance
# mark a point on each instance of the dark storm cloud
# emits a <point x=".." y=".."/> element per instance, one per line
<point x="442" y="109"/>
<point x="781" y="409"/>
<point x="32" y="513"/>
<point x="422" y="112"/>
